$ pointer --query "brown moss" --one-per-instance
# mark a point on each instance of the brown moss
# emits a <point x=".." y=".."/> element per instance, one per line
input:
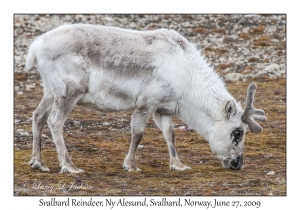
<point x="249" y="68"/>
<point x="244" y="36"/>
<point x="281" y="46"/>
<point x="280" y="53"/>
<point x="261" y="43"/>
<point x="264" y="38"/>
<point x="223" y="50"/>
<point x="219" y="31"/>
<point x="257" y="30"/>
<point x="210" y="49"/>
<point x="20" y="76"/>
<point x="246" y="69"/>
<point x="201" y="31"/>
<point x="223" y="66"/>
<point x="229" y="40"/>
<point x="253" y="59"/>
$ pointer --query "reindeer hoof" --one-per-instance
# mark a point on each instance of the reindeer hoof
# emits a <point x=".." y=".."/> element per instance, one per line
<point x="130" y="168"/>
<point x="35" y="164"/>
<point x="71" y="169"/>
<point x="180" y="167"/>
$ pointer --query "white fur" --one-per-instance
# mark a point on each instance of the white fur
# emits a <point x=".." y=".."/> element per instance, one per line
<point x="113" y="69"/>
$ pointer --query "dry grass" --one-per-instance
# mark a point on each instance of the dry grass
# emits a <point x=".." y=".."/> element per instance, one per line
<point x="219" y="31"/>
<point x="257" y="30"/>
<point x="100" y="149"/>
<point x="201" y="31"/>
<point x="244" y="36"/>
<point x="253" y="59"/>
<point x="223" y="66"/>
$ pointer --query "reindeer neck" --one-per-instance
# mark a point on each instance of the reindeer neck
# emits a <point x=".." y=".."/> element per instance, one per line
<point x="204" y="100"/>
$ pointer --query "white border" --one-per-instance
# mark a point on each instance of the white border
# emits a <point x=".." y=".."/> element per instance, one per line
<point x="153" y="6"/>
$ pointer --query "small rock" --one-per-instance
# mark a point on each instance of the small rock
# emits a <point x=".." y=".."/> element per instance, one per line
<point x="108" y="19"/>
<point x="271" y="173"/>
<point x="23" y="132"/>
<point x="233" y="77"/>
<point x="181" y="128"/>
<point x="274" y="40"/>
<point x="277" y="92"/>
<point x="76" y="123"/>
<point x="215" y="41"/>
<point x="29" y="87"/>
<point x="140" y="146"/>
<point x="132" y="25"/>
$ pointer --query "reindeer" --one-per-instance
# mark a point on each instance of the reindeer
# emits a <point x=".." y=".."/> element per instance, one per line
<point x="150" y="72"/>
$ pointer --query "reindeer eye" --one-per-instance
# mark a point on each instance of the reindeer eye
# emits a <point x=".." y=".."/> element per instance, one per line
<point x="237" y="134"/>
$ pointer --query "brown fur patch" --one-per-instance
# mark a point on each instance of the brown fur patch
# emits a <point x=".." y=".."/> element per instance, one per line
<point x="164" y="111"/>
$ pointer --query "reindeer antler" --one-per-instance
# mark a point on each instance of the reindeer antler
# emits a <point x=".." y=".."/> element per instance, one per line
<point x="250" y="113"/>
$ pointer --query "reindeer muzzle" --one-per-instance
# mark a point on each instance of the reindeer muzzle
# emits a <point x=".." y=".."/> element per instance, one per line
<point x="235" y="163"/>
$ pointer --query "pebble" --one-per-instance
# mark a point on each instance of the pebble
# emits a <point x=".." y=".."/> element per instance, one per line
<point x="29" y="87"/>
<point x="76" y="123"/>
<point x="233" y="77"/>
<point x="23" y="132"/>
<point x="132" y="25"/>
<point x="181" y="128"/>
<point x="275" y="40"/>
<point x="271" y="173"/>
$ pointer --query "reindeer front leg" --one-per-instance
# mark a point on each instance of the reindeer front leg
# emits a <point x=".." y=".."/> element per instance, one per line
<point x="164" y="122"/>
<point x="138" y="123"/>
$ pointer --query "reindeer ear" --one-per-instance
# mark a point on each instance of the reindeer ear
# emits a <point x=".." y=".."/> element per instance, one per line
<point x="230" y="109"/>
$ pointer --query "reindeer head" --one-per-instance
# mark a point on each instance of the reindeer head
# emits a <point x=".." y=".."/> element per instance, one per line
<point x="228" y="138"/>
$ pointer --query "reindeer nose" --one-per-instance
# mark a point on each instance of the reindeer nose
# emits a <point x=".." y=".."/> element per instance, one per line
<point x="236" y="163"/>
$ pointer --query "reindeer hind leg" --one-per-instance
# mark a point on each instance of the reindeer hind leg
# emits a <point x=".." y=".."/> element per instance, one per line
<point x="62" y="107"/>
<point x="39" y="119"/>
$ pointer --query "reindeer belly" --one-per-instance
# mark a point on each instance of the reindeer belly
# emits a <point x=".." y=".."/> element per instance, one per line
<point x="106" y="103"/>
<point x="109" y="92"/>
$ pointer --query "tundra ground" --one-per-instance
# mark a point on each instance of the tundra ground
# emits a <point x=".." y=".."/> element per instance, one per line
<point x="98" y="144"/>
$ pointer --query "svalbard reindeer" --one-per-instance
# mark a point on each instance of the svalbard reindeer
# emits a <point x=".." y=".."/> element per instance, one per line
<point x="160" y="72"/>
